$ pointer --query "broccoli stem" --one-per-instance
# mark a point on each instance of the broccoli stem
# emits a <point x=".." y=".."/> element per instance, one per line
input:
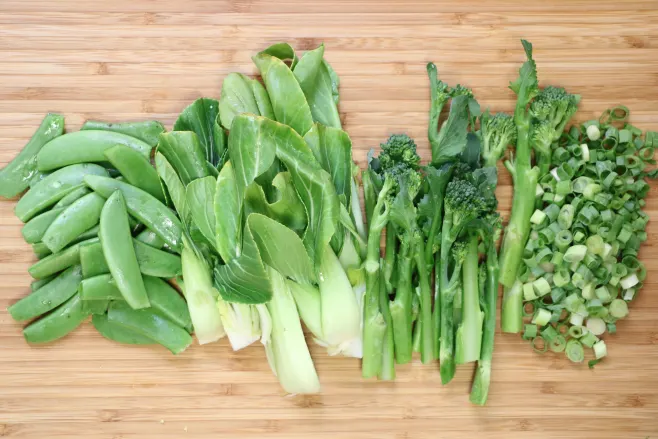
<point x="446" y="360"/>
<point x="436" y="315"/>
<point x="511" y="319"/>
<point x="436" y="106"/>
<point x="480" y="389"/>
<point x="374" y="325"/>
<point x="523" y="204"/>
<point x="400" y="307"/>
<point x="389" y="257"/>
<point x="426" y="334"/>
<point x="369" y="196"/>
<point x="387" y="371"/>
<point x="469" y="334"/>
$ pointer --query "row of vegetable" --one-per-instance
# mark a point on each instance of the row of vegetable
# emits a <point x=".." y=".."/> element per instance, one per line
<point x="250" y="207"/>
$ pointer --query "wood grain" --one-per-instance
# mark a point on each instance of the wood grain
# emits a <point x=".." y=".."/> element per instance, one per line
<point x="127" y="59"/>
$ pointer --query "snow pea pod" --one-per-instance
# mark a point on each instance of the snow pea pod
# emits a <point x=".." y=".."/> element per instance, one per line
<point x="76" y="219"/>
<point x="119" y="252"/>
<point x="35" y="228"/>
<point x="150" y="238"/>
<point x="84" y="147"/>
<point x="72" y="196"/>
<point x="101" y="287"/>
<point x="57" y="323"/>
<point x="35" y="285"/>
<point x="150" y="324"/>
<point x="136" y="169"/>
<point x="147" y="131"/>
<point x="168" y="302"/>
<point x="53" y="188"/>
<point x="143" y="206"/>
<point x="58" y="261"/>
<point x="16" y="176"/>
<point x="118" y="333"/>
<point x="95" y="307"/>
<point x="49" y="296"/>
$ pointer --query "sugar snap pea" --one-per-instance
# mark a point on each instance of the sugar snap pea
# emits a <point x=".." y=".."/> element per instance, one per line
<point x="76" y="219"/>
<point x="136" y="169"/>
<point x="53" y="188"/>
<point x="84" y="147"/>
<point x="72" y="196"/>
<point x="35" y="285"/>
<point x="164" y="299"/>
<point x="150" y="324"/>
<point x="58" y="323"/>
<point x="95" y="307"/>
<point x="118" y="333"/>
<point x="101" y="288"/>
<point x="150" y="238"/>
<point x="37" y="177"/>
<point x="92" y="260"/>
<point x="143" y="206"/>
<point x="40" y="250"/>
<point x="119" y="251"/>
<point x="16" y="176"/>
<point x="147" y="131"/>
<point x="168" y="302"/>
<point x="154" y="262"/>
<point x="48" y="296"/>
<point x="35" y="228"/>
<point x="57" y="261"/>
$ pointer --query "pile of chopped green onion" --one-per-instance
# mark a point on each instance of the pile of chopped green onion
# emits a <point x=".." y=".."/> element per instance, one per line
<point x="580" y="264"/>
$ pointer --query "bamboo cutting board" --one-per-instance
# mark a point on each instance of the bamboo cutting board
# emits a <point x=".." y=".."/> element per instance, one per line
<point x="131" y="59"/>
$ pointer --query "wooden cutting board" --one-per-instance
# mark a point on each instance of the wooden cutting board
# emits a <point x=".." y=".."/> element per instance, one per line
<point x="131" y="59"/>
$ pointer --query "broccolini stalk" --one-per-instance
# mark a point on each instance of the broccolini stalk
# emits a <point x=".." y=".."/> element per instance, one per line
<point x="401" y="311"/>
<point x="525" y="181"/>
<point x="439" y="96"/>
<point x="469" y="333"/>
<point x="387" y="371"/>
<point x="389" y="256"/>
<point x="463" y="204"/>
<point x="374" y="325"/>
<point x="480" y="389"/>
<point x="426" y="334"/>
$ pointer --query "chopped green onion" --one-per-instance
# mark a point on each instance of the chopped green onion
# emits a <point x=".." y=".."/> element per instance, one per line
<point x="541" y="317"/>
<point x="576" y="331"/>
<point x="541" y="286"/>
<point x="600" y="349"/>
<point x="529" y="292"/>
<point x="558" y="344"/>
<point x="575" y="351"/>
<point x="529" y="331"/>
<point x="629" y="281"/>
<point x="575" y="253"/>
<point x="539" y="345"/>
<point x="603" y="294"/>
<point x="596" y="325"/>
<point x="538" y="217"/>
<point x="593" y="132"/>
<point x="549" y="333"/>
<point x="618" y="309"/>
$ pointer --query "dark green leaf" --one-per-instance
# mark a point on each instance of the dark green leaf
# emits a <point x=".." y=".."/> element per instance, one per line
<point x="452" y="137"/>
<point x="200" y="196"/>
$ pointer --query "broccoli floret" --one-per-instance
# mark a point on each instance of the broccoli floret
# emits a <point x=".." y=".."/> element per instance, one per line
<point x="460" y="90"/>
<point x="399" y="149"/>
<point x="497" y="132"/>
<point x="552" y="109"/>
<point x="463" y="203"/>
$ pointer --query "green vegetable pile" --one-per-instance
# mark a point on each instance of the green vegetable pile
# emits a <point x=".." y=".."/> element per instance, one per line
<point x="245" y="221"/>
<point x="581" y="208"/>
